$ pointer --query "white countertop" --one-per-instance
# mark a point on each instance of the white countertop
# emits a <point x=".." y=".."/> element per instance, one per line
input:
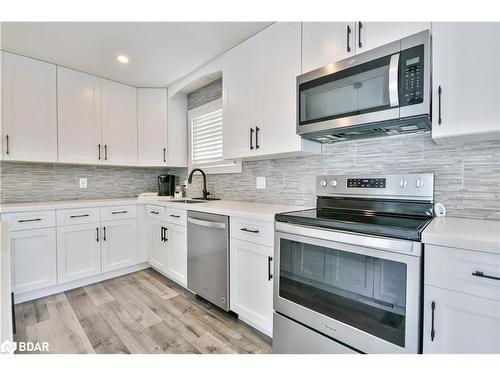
<point x="222" y="207"/>
<point x="470" y="234"/>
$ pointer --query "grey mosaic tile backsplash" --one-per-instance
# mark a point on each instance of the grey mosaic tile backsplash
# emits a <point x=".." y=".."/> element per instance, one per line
<point x="467" y="177"/>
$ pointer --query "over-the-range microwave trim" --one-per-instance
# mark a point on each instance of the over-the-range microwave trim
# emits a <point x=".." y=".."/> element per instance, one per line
<point x="392" y="119"/>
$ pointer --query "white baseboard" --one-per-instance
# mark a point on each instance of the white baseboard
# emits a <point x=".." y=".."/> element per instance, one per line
<point x="28" y="296"/>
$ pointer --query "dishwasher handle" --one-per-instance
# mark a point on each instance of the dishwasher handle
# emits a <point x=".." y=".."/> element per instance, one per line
<point x="205" y="223"/>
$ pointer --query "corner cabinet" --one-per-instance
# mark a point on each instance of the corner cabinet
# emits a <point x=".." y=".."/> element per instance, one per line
<point x="466" y="81"/>
<point x="29" y="117"/>
<point x="259" y="95"/>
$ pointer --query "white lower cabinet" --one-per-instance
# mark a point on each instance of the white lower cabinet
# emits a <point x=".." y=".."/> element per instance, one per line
<point x="118" y="244"/>
<point x="33" y="259"/>
<point x="78" y="251"/>
<point x="157" y="245"/>
<point x="176" y="240"/>
<point x="251" y="292"/>
<point x="456" y="323"/>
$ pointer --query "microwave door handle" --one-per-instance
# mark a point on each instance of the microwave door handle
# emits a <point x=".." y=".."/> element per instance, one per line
<point x="394" y="81"/>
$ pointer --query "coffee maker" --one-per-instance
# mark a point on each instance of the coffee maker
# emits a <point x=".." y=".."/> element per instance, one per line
<point x="166" y="185"/>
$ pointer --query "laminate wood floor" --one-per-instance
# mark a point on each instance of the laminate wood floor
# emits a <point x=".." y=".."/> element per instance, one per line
<point x="143" y="312"/>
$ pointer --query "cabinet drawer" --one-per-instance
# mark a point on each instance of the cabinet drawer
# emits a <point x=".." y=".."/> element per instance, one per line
<point x="256" y="231"/>
<point x="78" y="216"/>
<point x="30" y="220"/>
<point x="155" y="211"/>
<point x="118" y="213"/>
<point x="460" y="270"/>
<point x="176" y="216"/>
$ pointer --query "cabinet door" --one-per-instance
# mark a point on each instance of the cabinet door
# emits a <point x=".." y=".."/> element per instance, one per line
<point x="119" y="123"/>
<point x="324" y="43"/>
<point x="371" y="35"/>
<point x="119" y="242"/>
<point x="78" y="251"/>
<point x="462" y="323"/>
<point x="152" y="126"/>
<point x="279" y="63"/>
<point x="251" y="287"/>
<point x="29" y="109"/>
<point x="79" y="117"/>
<point x="239" y="100"/>
<point x="177" y="253"/>
<point x="466" y="81"/>
<point x="158" y="247"/>
<point x="33" y="259"/>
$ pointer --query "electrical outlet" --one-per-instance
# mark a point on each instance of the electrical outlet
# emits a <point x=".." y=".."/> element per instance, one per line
<point x="83" y="183"/>
<point x="261" y="182"/>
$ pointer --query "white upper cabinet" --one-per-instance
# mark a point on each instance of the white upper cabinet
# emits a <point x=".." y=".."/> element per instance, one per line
<point x="119" y="123"/>
<point x="29" y="109"/>
<point x="466" y="81"/>
<point x="152" y="127"/>
<point x="259" y="95"/>
<point x="326" y="42"/>
<point x="371" y="35"/>
<point x="239" y="99"/>
<point x="79" y="117"/>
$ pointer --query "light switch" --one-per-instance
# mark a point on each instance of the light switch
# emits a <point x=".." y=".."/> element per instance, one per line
<point x="83" y="183"/>
<point x="261" y="182"/>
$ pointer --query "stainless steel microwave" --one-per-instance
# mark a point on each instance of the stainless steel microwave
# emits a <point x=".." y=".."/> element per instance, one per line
<point x="384" y="91"/>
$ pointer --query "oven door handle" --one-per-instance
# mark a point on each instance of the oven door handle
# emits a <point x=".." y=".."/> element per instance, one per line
<point x="394" y="80"/>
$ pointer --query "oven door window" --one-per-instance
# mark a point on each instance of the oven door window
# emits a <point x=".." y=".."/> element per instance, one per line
<point x="353" y="91"/>
<point x="364" y="292"/>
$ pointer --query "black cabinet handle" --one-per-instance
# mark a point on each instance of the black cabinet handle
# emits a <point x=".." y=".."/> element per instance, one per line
<point x="13" y="310"/>
<point x="433" y="332"/>
<point x="105" y="152"/>
<point x="118" y="212"/>
<point x="75" y="216"/>
<point x="154" y="212"/>
<point x="176" y="216"/>
<point x="28" y="220"/>
<point x="251" y="138"/>
<point x="257" y="137"/>
<point x="164" y="155"/>
<point x="348" y="38"/>
<point x="104" y="234"/>
<point x="164" y="234"/>
<point x="97" y="234"/>
<point x="360" y="26"/>
<point x="250" y="230"/>
<point x="99" y="151"/>
<point x="269" y="275"/>
<point x="439" y="106"/>
<point x="7" y="137"/>
<point x="161" y="234"/>
<point x="481" y="274"/>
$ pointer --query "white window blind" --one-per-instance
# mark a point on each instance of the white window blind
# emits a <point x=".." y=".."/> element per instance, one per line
<point x="207" y="139"/>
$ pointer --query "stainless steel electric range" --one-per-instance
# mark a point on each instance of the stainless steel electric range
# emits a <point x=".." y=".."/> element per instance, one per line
<point x="348" y="273"/>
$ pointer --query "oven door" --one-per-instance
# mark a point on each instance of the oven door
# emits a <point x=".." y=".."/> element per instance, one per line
<point x="365" y="297"/>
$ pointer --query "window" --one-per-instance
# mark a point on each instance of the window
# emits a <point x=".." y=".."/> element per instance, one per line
<point x="206" y="143"/>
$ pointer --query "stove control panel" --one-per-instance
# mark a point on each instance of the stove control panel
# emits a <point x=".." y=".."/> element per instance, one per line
<point x="402" y="186"/>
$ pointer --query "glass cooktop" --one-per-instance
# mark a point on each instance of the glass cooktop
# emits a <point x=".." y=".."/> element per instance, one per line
<point x="366" y="222"/>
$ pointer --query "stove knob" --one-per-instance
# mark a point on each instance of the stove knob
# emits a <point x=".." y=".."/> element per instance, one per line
<point x="333" y="183"/>
<point x="403" y="183"/>
<point x="323" y="183"/>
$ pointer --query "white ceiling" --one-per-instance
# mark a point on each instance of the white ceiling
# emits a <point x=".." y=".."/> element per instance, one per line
<point x="159" y="52"/>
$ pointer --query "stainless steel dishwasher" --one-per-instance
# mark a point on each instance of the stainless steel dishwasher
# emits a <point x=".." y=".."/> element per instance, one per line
<point x="208" y="257"/>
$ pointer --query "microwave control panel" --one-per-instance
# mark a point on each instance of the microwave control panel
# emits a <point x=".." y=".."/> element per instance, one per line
<point x="411" y="89"/>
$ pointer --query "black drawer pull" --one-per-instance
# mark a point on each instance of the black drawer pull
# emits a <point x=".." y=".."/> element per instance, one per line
<point x="481" y="274"/>
<point x="269" y="275"/>
<point x="119" y="212"/>
<point x="28" y="220"/>
<point x="250" y="230"/>
<point x="433" y="332"/>
<point x="76" y="216"/>
<point x="154" y="212"/>
<point x="176" y="216"/>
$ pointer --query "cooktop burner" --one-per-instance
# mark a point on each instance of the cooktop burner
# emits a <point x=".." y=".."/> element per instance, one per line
<point x="397" y="206"/>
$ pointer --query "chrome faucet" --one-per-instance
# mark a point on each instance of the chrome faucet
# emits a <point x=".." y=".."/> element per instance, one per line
<point x="206" y="193"/>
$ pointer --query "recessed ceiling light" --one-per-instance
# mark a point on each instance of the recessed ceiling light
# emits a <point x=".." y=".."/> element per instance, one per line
<point x="123" y="59"/>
